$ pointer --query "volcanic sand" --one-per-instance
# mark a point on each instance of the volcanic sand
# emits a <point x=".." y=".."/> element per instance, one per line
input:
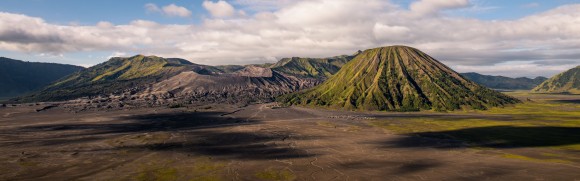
<point x="256" y="142"/>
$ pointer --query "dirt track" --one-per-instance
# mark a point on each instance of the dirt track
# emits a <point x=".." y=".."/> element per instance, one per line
<point x="229" y="143"/>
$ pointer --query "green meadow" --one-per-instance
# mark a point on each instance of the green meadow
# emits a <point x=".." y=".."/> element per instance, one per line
<point x="545" y="127"/>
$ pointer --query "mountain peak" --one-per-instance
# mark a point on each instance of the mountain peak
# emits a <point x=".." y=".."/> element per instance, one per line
<point x="396" y="47"/>
<point x="398" y="78"/>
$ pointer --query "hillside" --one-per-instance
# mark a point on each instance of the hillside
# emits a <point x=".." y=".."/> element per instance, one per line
<point x="320" y="68"/>
<point x="20" y="77"/>
<point x="253" y="84"/>
<point x="501" y="82"/>
<point x="155" y="80"/>
<point x="112" y="77"/>
<point x="398" y="78"/>
<point x="565" y="82"/>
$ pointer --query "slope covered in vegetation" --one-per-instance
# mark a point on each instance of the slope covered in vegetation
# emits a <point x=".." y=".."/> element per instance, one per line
<point x="398" y="78"/>
<point x="320" y="68"/>
<point x="113" y="76"/>
<point x="565" y="82"/>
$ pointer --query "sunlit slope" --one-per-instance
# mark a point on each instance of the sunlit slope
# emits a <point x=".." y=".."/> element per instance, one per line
<point x="565" y="82"/>
<point x="398" y="78"/>
<point x="113" y="76"/>
<point x="311" y="67"/>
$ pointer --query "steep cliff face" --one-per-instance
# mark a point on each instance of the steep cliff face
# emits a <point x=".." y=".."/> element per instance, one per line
<point x="398" y="78"/>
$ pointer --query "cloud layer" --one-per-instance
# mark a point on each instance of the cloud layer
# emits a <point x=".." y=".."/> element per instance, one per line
<point x="547" y="43"/>
<point x="220" y="9"/>
<point x="169" y="10"/>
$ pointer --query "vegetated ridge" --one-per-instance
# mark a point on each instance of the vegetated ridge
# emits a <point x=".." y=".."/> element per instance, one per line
<point x="156" y="80"/>
<point x="312" y="67"/>
<point x="565" y="82"/>
<point x="505" y="83"/>
<point x="111" y="77"/>
<point x="398" y="78"/>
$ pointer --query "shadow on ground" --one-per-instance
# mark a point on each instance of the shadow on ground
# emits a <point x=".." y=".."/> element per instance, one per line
<point x="148" y="123"/>
<point x="401" y="168"/>
<point x="492" y="137"/>
<point x="568" y="101"/>
<point x="191" y="132"/>
<point x="238" y="145"/>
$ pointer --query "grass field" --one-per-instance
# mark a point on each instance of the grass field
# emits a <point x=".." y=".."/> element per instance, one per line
<point x="543" y="128"/>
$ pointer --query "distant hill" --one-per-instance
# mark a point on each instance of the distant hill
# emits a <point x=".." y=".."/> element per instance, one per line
<point x="501" y="82"/>
<point x="113" y="76"/>
<point x="565" y="82"/>
<point x="312" y="67"/>
<point x="397" y="78"/>
<point x="19" y="77"/>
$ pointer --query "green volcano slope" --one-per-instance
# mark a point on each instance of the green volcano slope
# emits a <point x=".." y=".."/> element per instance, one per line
<point x="565" y="82"/>
<point x="320" y="68"/>
<point x="114" y="76"/>
<point x="398" y="78"/>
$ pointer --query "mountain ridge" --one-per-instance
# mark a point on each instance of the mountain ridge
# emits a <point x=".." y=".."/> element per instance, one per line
<point x="140" y="76"/>
<point x="110" y="77"/>
<point x="504" y="83"/>
<point x="19" y="77"/>
<point x="311" y="67"/>
<point x="565" y="82"/>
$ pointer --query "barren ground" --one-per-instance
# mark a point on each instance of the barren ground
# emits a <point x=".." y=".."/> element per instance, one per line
<point x="224" y="142"/>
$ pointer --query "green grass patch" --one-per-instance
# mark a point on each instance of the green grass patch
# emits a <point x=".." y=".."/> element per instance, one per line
<point x="525" y="158"/>
<point x="278" y="175"/>
<point x="199" y="169"/>
<point x="161" y="174"/>
<point x="28" y="163"/>
<point x="326" y="124"/>
<point x="206" y="169"/>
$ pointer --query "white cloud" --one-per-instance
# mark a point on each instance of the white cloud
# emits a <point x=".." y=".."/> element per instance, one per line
<point x="516" y="69"/>
<point x="174" y="10"/>
<point x="427" y="7"/>
<point x="221" y="9"/>
<point x="150" y="7"/>
<point x="169" y="10"/>
<point x="321" y="28"/>
<point x="395" y="33"/>
<point x="118" y="54"/>
<point x="104" y="24"/>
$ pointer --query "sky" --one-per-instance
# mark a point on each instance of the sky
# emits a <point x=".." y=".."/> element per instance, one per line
<point x="496" y="37"/>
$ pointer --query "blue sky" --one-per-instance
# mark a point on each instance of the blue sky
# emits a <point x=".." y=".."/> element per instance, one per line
<point x="91" y="12"/>
<point x="122" y="12"/>
<point x="487" y="36"/>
